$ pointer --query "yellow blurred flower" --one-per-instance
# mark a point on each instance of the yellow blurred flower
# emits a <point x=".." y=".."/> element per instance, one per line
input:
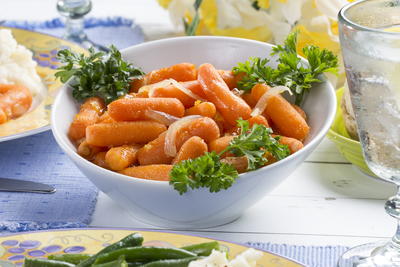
<point x="264" y="20"/>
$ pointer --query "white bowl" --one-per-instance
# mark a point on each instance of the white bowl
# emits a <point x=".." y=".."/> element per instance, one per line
<point x="156" y="202"/>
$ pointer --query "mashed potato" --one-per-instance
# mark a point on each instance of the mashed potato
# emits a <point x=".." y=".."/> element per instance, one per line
<point x="247" y="258"/>
<point x="17" y="65"/>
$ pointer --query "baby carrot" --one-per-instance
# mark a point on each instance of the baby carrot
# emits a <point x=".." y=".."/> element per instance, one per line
<point x="293" y="144"/>
<point x="300" y="111"/>
<point x="105" y="118"/>
<point x="259" y="119"/>
<point x="121" y="133"/>
<point x="228" y="104"/>
<point x="205" y="109"/>
<point x="220" y="144"/>
<point x="121" y="157"/>
<point x="283" y="115"/>
<point x="154" y="153"/>
<point x="195" y="87"/>
<point x="194" y="147"/>
<point x="229" y="78"/>
<point x="89" y="114"/>
<point x="172" y="91"/>
<point x="136" y="84"/>
<point x="159" y="172"/>
<point x="131" y="109"/>
<point x="179" y="72"/>
<point x="100" y="159"/>
<point x="240" y="163"/>
<point x="249" y="99"/>
<point x="88" y="151"/>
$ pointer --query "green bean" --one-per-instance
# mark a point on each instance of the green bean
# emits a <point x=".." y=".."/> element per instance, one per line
<point x="117" y="263"/>
<point x="145" y="253"/>
<point x="171" y="263"/>
<point x="203" y="249"/>
<point x="131" y="240"/>
<point x="71" y="258"/>
<point x="46" y="263"/>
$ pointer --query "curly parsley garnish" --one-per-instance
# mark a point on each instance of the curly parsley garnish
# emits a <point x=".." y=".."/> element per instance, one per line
<point x="208" y="170"/>
<point x="105" y="75"/>
<point x="290" y="72"/>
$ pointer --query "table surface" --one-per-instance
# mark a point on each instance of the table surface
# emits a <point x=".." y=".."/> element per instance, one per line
<point x="327" y="201"/>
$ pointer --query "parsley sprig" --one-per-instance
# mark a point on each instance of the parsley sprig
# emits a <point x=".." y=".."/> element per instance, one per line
<point x="105" y="75"/>
<point x="208" y="170"/>
<point x="290" y="72"/>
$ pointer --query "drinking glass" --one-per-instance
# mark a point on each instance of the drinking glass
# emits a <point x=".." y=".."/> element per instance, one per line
<point x="74" y="12"/>
<point x="370" y="42"/>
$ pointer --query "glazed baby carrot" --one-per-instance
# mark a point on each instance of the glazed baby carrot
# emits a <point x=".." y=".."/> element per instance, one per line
<point x="159" y="172"/>
<point x="194" y="147"/>
<point x="131" y="109"/>
<point x="121" y="157"/>
<point x="105" y="118"/>
<point x="249" y="99"/>
<point x="89" y="114"/>
<point x="121" y="133"/>
<point x="88" y="151"/>
<point x="240" y="163"/>
<point x="220" y="144"/>
<point x="172" y="91"/>
<point x="100" y="159"/>
<point x="205" y="109"/>
<point x="180" y="72"/>
<point x="293" y="144"/>
<point x="154" y="152"/>
<point x="228" y="104"/>
<point x="194" y="87"/>
<point x="284" y="116"/>
<point x="259" y="119"/>
<point x="136" y="84"/>
<point x="300" y="111"/>
<point x="229" y="78"/>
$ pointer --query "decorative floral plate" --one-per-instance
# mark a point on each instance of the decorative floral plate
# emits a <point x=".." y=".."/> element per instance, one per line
<point x="14" y="248"/>
<point x="44" y="48"/>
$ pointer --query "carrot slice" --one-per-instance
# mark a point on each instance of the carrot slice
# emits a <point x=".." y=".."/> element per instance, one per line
<point x="228" y="104"/>
<point x="159" y="172"/>
<point x="131" y="109"/>
<point x="121" y="133"/>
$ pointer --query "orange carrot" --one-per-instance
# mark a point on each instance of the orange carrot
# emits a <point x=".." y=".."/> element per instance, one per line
<point x="293" y="144"/>
<point x="136" y="84"/>
<point x="239" y="163"/>
<point x="121" y="133"/>
<point x="105" y="118"/>
<point x="88" y="151"/>
<point x="220" y="144"/>
<point x="121" y="157"/>
<point x="131" y="109"/>
<point x="228" y="104"/>
<point x="283" y="115"/>
<point x="172" y="91"/>
<point x="100" y="159"/>
<point x="300" y="111"/>
<point x="159" y="172"/>
<point x="195" y="87"/>
<point x="180" y="72"/>
<point x="194" y="147"/>
<point x="229" y="78"/>
<point x="89" y="114"/>
<point x="205" y="109"/>
<point x="153" y="153"/>
<point x="249" y="99"/>
<point x="259" y="119"/>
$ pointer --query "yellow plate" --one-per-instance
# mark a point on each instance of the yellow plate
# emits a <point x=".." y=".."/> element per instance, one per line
<point x="351" y="149"/>
<point x="13" y="248"/>
<point x="44" y="48"/>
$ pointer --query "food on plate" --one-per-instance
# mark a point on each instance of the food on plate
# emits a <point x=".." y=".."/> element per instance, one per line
<point x="130" y="251"/>
<point x="19" y="82"/>
<point x="193" y="126"/>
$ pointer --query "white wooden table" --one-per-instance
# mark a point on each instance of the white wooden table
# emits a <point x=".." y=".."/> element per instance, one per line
<point x="326" y="201"/>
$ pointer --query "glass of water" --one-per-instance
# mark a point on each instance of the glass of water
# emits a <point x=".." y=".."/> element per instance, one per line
<point x="370" y="42"/>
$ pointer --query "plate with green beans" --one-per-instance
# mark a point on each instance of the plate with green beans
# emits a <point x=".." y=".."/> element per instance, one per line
<point x="126" y="248"/>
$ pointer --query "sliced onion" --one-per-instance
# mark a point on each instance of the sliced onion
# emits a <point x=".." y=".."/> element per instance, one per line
<point x="170" y="137"/>
<point x="186" y="91"/>
<point x="160" y="117"/>
<point x="237" y="92"/>
<point x="262" y="102"/>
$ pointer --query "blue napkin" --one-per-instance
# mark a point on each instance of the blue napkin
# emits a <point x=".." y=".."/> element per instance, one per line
<point x="311" y="256"/>
<point x="38" y="158"/>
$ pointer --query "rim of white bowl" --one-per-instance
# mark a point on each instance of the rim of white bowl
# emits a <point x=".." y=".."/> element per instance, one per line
<point x="74" y="155"/>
